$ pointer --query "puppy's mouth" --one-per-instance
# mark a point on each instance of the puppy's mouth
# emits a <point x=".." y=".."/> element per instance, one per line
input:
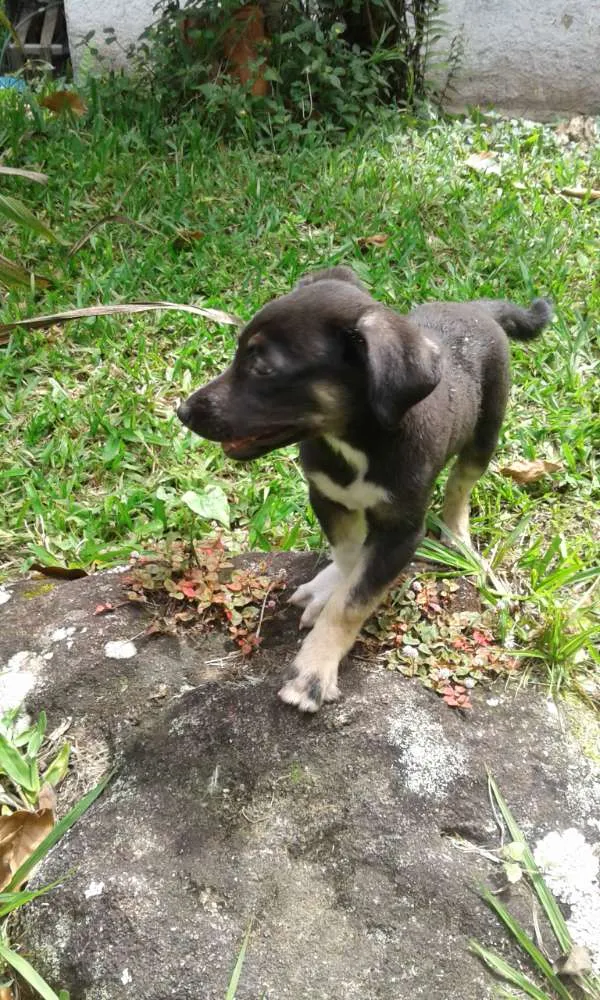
<point x="259" y="444"/>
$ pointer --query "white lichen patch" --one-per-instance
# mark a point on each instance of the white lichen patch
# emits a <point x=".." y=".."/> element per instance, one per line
<point x="94" y="889"/>
<point x="60" y="634"/>
<point x="18" y="679"/>
<point x="429" y="762"/>
<point x="570" y="866"/>
<point x="120" y="649"/>
<point x="126" y="977"/>
<point x="5" y="595"/>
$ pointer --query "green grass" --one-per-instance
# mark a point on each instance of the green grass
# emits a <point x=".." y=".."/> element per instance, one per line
<point x="548" y="984"/>
<point x="93" y="462"/>
<point x="29" y="766"/>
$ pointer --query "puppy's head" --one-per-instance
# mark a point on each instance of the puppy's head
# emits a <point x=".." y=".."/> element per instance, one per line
<point x="310" y="363"/>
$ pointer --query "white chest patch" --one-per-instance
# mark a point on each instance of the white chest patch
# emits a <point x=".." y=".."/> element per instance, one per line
<point x="360" y="493"/>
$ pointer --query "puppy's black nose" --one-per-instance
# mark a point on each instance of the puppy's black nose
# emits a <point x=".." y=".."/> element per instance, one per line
<point x="184" y="412"/>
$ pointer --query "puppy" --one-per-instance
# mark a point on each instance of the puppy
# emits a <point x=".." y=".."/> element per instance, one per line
<point x="379" y="403"/>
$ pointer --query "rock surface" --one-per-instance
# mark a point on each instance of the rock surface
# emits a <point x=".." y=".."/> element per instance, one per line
<point x="333" y="836"/>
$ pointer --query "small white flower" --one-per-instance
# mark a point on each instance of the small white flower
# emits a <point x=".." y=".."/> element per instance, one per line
<point x="410" y="651"/>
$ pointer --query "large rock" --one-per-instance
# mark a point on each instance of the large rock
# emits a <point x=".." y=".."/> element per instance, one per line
<point x="332" y="836"/>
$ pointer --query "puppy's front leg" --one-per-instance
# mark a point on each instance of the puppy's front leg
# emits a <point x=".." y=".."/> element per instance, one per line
<point x="346" y="531"/>
<point x="314" y="672"/>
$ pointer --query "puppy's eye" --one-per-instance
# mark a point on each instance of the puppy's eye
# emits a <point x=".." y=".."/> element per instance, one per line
<point x="256" y="363"/>
<point x="261" y="368"/>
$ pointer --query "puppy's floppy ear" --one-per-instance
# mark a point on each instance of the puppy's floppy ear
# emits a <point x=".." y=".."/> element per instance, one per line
<point x="340" y="273"/>
<point x="403" y="364"/>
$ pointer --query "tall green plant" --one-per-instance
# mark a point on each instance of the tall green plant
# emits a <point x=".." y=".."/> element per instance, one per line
<point x="19" y="214"/>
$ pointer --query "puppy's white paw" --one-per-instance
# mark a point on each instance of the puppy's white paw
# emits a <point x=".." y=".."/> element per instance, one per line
<point x="313" y="596"/>
<point x="308" y="691"/>
<point x="451" y="534"/>
<point x="301" y="595"/>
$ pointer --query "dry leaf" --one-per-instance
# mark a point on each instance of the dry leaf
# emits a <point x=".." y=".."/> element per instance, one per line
<point x="529" y="472"/>
<point x="47" y="798"/>
<point x="125" y="308"/>
<point x="104" y="609"/>
<point x="583" y="194"/>
<point x="484" y="163"/>
<point x="28" y="175"/>
<point x="186" y="237"/>
<point x="378" y="240"/>
<point x="20" y="834"/>
<point x="60" y="730"/>
<point x="576" y="963"/>
<point x="12" y="275"/>
<point x="579" y="129"/>
<point x="160" y="693"/>
<point x="6" y="993"/>
<point x="60" y="572"/>
<point x="64" y="100"/>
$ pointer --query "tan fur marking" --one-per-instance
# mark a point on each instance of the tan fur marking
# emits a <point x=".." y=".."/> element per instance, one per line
<point x="333" y="635"/>
<point x="456" y="499"/>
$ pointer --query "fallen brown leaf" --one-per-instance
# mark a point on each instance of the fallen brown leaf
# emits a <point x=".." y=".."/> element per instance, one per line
<point x="12" y="275"/>
<point x="529" y="472"/>
<point x="576" y="963"/>
<point x="484" y="163"/>
<point x="64" y="100"/>
<point x="59" y="572"/>
<point x="28" y="175"/>
<point x="20" y="834"/>
<point x="580" y="129"/>
<point x="378" y="240"/>
<point x="186" y="237"/>
<point x="583" y="194"/>
<point x="103" y="609"/>
<point x="6" y="993"/>
<point x="47" y="798"/>
<point x="160" y="693"/>
<point x="125" y="308"/>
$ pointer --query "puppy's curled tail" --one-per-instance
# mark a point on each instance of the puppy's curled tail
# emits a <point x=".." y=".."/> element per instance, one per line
<point x="518" y="323"/>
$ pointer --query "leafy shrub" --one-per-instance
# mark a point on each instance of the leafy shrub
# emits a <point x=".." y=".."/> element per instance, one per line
<point x="327" y="67"/>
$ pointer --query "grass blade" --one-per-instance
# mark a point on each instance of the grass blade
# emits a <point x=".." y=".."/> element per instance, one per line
<point x="20" y="771"/>
<point x="125" y="308"/>
<point x="16" y="211"/>
<point x="525" y="942"/>
<point x="450" y="558"/>
<point x="57" y="769"/>
<point x="10" y="901"/>
<point x="28" y="973"/>
<point x="547" y="900"/>
<point x="501" y="968"/>
<point x="123" y="220"/>
<point x="235" y="975"/>
<point x="57" y="832"/>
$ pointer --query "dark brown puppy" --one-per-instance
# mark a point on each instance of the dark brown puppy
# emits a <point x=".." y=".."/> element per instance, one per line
<point x="379" y="402"/>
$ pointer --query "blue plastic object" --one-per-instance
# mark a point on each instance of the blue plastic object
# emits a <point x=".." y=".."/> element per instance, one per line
<point x="12" y="83"/>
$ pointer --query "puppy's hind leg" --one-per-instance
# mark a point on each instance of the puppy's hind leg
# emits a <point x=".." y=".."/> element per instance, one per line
<point x="475" y="458"/>
<point x="463" y="476"/>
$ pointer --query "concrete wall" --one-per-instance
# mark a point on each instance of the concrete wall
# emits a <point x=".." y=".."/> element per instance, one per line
<point x="128" y="18"/>
<point x="531" y="57"/>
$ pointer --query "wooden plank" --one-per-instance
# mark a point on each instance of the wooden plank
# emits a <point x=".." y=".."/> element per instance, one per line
<point x="14" y="52"/>
<point x="47" y="33"/>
